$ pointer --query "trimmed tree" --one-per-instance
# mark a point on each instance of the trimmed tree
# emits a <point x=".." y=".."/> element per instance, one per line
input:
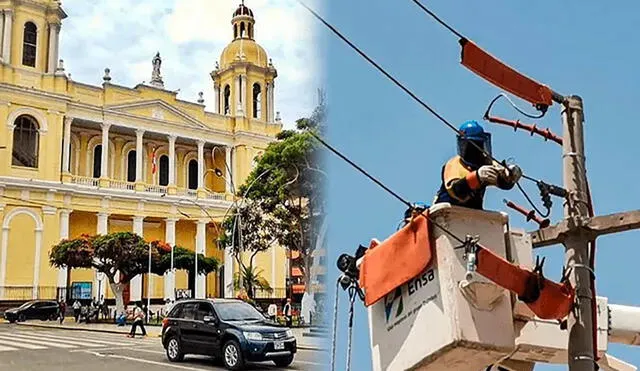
<point x="123" y="255"/>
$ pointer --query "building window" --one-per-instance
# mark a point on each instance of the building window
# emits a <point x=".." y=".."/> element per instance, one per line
<point x="132" y="162"/>
<point x="164" y="170"/>
<point x="235" y="31"/>
<point x="242" y="29"/>
<point x="250" y="27"/>
<point x="97" y="160"/>
<point x="25" y="142"/>
<point x="257" y="100"/>
<point x="29" y="44"/>
<point x="227" y="97"/>
<point x="193" y="174"/>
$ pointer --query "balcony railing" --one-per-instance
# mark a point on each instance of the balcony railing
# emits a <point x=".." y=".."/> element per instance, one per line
<point x="155" y="189"/>
<point x="17" y="293"/>
<point x="84" y="180"/>
<point x="119" y="184"/>
<point x="151" y="188"/>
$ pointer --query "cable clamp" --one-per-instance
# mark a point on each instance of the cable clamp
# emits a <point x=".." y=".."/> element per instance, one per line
<point x="583" y="266"/>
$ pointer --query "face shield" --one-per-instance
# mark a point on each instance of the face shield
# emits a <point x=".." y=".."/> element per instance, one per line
<point x="473" y="155"/>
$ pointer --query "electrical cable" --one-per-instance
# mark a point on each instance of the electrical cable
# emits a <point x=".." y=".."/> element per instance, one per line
<point x="434" y="16"/>
<point x="402" y="86"/>
<point x="503" y="95"/>
<point x="543" y="215"/>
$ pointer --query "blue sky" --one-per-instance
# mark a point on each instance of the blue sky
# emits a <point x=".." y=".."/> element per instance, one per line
<point x="582" y="48"/>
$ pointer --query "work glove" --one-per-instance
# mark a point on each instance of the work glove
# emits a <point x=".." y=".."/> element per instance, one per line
<point x="488" y="175"/>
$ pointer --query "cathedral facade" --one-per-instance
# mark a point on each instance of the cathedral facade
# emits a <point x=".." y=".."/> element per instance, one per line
<point x="82" y="159"/>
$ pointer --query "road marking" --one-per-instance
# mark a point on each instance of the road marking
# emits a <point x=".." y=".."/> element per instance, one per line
<point x="73" y="340"/>
<point x="170" y="365"/>
<point x="36" y="341"/>
<point x="309" y="363"/>
<point x="118" y="348"/>
<point x="4" y="349"/>
<point x="92" y="339"/>
<point x="21" y="345"/>
<point x="56" y="342"/>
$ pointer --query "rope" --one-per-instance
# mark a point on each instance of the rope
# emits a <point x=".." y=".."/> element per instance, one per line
<point x="352" y="298"/>
<point x="335" y="327"/>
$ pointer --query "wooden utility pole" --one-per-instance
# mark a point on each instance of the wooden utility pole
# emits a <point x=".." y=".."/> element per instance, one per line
<point x="576" y="213"/>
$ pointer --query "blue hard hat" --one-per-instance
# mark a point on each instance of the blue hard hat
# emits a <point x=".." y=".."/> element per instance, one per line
<point x="472" y="131"/>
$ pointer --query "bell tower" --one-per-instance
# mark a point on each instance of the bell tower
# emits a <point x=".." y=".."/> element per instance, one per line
<point x="244" y="78"/>
<point x="30" y="34"/>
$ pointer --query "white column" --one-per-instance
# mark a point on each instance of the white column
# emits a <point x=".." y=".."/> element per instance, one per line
<point x="216" y="98"/>
<point x="201" y="238"/>
<point x="104" y="166"/>
<point x="135" y="285"/>
<point x="139" y="150"/>
<point x="272" y="111"/>
<point x="64" y="234"/>
<point x="66" y="148"/>
<point x="227" y="170"/>
<point x="172" y="160"/>
<point x="238" y="95"/>
<point x="36" y="265"/>
<point x="267" y="97"/>
<point x="3" y="259"/>
<point x="243" y="98"/>
<point x="170" y="276"/>
<point x="8" y="25"/>
<point x="102" y="228"/>
<point x="54" y="30"/>
<point x="200" y="164"/>
<point x="1" y="32"/>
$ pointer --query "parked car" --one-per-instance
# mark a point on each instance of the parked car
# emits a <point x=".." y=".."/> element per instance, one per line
<point x="229" y="329"/>
<point x="37" y="309"/>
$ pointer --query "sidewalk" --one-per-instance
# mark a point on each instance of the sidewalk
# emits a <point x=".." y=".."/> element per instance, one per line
<point x="304" y="342"/>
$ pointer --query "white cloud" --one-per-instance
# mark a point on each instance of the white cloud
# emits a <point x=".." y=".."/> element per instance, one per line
<point x="124" y="35"/>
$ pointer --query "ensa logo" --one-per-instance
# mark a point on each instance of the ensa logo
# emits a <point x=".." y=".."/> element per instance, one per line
<point x="390" y="299"/>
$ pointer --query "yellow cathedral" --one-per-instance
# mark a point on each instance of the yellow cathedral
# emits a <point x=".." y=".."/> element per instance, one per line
<point x="83" y="159"/>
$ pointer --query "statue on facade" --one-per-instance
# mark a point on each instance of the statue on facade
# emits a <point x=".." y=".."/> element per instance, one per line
<point x="156" y="77"/>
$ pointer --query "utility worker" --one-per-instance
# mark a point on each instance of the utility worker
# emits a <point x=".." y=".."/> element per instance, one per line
<point x="466" y="176"/>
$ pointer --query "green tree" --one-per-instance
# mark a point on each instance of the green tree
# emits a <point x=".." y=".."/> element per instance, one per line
<point x="123" y="253"/>
<point x="248" y="231"/>
<point x="292" y="191"/>
<point x="250" y="278"/>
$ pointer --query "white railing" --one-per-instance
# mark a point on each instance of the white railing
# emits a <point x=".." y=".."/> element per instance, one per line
<point x="215" y="196"/>
<point x="83" y="180"/>
<point x="119" y="184"/>
<point x="155" y="189"/>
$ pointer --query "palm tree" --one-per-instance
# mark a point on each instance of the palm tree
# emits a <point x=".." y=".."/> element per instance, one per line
<point x="250" y="278"/>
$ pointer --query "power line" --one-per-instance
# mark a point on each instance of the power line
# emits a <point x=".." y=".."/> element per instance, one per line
<point x="407" y="90"/>
<point x="434" y="16"/>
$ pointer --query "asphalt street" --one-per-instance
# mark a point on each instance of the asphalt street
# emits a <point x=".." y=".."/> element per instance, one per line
<point x="24" y="348"/>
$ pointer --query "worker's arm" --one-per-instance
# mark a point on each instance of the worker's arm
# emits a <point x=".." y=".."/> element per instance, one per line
<point x="459" y="182"/>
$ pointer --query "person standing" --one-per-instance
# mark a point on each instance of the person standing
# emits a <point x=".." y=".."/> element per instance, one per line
<point x="62" y="307"/>
<point x="272" y="311"/>
<point x="76" y="309"/>
<point x="138" y="320"/>
<point x="288" y="312"/>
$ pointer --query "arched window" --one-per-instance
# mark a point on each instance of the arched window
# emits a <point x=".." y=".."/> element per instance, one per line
<point x="29" y="44"/>
<point x="235" y="31"/>
<point x="227" y="97"/>
<point x="164" y="170"/>
<point x="250" y="27"/>
<point x="242" y="29"/>
<point x="97" y="160"/>
<point x="257" y="100"/>
<point x="131" y="166"/>
<point x="25" y="142"/>
<point x="193" y="174"/>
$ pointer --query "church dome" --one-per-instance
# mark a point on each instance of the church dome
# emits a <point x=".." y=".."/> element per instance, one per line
<point x="244" y="50"/>
<point x="243" y="10"/>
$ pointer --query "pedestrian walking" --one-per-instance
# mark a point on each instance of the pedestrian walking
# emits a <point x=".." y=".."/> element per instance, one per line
<point x="76" y="310"/>
<point x="273" y="311"/>
<point x="62" y="308"/>
<point x="288" y="312"/>
<point x="138" y="320"/>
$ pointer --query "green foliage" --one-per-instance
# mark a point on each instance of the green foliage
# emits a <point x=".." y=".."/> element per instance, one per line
<point x="76" y="253"/>
<point x="183" y="259"/>
<point x="253" y="225"/>
<point x="250" y="278"/>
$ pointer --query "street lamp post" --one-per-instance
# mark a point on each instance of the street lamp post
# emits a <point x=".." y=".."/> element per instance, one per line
<point x="149" y="287"/>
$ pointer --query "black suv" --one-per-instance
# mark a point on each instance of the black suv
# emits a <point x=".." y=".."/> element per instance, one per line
<point x="37" y="309"/>
<point x="229" y="329"/>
